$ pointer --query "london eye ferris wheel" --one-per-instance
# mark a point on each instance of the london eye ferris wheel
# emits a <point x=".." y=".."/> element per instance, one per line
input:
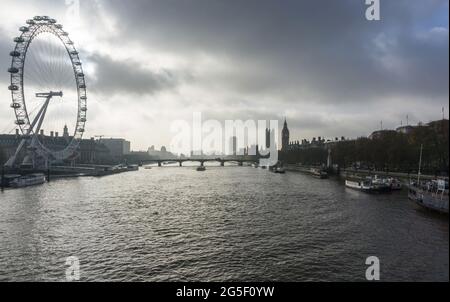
<point x="48" y="92"/>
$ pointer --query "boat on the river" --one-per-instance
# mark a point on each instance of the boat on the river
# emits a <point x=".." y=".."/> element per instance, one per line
<point x="28" y="180"/>
<point x="432" y="195"/>
<point x="361" y="185"/>
<point x="147" y="167"/>
<point x="368" y="184"/>
<point x="201" y="168"/>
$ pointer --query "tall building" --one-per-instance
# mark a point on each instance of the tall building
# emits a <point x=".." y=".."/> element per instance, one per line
<point x="284" y="137"/>
<point x="65" y="132"/>
<point x="117" y="146"/>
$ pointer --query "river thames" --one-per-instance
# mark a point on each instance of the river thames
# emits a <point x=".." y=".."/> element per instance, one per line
<point x="223" y="224"/>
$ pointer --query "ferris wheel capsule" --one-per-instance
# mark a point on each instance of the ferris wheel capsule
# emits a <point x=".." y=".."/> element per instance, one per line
<point x="23" y="29"/>
<point x="13" y="70"/>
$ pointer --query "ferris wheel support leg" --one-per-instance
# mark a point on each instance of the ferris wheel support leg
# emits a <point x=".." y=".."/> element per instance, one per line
<point x="39" y="117"/>
<point x="12" y="160"/>
<point x="34" y="139"/>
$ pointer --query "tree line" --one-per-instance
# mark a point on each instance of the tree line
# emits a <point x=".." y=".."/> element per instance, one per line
<point x="389" y="151"/>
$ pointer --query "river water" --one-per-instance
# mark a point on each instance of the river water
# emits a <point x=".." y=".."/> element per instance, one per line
<point x="223" y="224"/>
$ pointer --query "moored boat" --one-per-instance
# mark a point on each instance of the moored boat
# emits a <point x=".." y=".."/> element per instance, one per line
<point x="432" y="195"/>
<point x="201" y="168"/>
<point x="361" y="185"/>
<point x="368" y="184"/>
<point x="28" y="180"/>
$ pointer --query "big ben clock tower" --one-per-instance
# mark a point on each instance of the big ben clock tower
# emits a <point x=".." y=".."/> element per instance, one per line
<point x="284" y="137"/>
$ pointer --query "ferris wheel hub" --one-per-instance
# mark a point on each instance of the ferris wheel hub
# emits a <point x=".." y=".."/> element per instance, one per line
<point x="49" y="94"/>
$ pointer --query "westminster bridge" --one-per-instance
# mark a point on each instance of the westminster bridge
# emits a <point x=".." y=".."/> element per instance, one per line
<point x="180" y="161"/>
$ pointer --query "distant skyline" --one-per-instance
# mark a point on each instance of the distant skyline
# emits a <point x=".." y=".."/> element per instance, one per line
<point x="320" y="64"/>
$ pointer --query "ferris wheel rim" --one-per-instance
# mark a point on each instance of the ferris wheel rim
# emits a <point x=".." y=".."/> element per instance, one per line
<point x="33" y="29"/>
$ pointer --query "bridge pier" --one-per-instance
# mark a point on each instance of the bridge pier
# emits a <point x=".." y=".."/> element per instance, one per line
<point x="202" y="163"/>
<point x="222" y="163"/>
<point x="240" y="163"/>
<point x="159" y="164"/>
<point x="180" y="163"/>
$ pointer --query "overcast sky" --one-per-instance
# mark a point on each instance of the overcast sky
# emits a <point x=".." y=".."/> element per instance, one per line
<point x="319" y="63"/>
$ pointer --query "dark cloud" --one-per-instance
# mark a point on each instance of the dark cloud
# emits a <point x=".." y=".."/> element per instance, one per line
<point x="112" y="77"/>
<point x="325" y="49"/>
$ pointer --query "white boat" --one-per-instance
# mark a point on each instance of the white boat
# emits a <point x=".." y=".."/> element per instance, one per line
<point x="368" y="184"/>
<point x="28" y="180"/>
<point x="362" y="185"/>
